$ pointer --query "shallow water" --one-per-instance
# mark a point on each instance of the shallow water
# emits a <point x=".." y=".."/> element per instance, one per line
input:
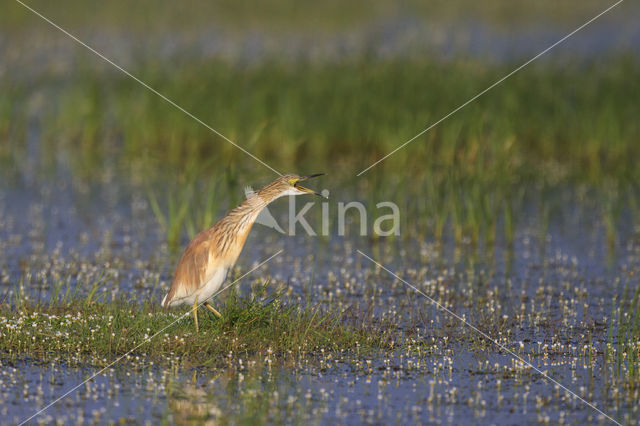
<point x="388" y="388"/>
<point x="398" y="36"/>
<point x="548" y="297"/>
<point x="539" y="300"/>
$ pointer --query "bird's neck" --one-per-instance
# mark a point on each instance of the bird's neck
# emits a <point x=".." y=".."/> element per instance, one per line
<point x="245" y="214"/>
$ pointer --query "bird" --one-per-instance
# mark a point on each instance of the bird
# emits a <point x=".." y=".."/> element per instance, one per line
<point x="205" y="262"/>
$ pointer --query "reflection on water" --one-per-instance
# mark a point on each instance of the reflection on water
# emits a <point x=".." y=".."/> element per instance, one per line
<point x="451" y="385"/>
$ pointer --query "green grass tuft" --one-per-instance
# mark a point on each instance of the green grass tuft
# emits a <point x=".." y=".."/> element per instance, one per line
<point x="96" y="332"/>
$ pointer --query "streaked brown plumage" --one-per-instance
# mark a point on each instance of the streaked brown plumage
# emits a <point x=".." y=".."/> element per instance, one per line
<point x="205" y="262"/>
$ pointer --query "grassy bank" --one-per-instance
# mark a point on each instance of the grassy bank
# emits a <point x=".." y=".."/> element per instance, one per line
<point x="86" y="331"/>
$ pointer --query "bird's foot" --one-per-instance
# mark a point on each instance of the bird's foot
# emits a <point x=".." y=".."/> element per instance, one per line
<point x="212" y="309"/>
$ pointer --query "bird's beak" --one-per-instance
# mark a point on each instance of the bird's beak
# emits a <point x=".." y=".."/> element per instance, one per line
<point x="310" y="191"/>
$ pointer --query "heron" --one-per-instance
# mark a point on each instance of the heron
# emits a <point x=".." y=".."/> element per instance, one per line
<point x="208" y="258"/>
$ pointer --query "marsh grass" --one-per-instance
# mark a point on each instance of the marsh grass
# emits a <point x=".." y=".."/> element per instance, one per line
<point x="622" y="352"/>
<point x="189" y="206"/>
<point x="86" y="330"/>
<point x="192" y="202"/>
<point x="560" y="121"/>
<point x="469" y="179"/>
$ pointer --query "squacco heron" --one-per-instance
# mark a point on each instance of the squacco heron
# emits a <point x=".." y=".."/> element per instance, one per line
<point x="208" y="258"/>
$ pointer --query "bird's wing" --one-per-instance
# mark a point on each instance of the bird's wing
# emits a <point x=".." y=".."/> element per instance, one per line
<point x="198" y="264"/>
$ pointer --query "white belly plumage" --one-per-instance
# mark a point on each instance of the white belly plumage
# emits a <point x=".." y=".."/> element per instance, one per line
<point x="203" y="293"/>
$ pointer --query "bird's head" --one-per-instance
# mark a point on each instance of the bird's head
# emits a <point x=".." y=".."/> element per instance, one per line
<point x="290" y="185"/>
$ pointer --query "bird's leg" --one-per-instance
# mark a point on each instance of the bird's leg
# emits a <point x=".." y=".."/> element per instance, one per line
<point x="195" y="314"/>
<point x="212" y="309"/>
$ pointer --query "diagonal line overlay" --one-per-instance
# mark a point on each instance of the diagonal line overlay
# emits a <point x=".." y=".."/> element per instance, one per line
<point x="487" y="337"/>
<point x="145" y="85"/>
<point x="497" y="83"/>
<point x="148" y="339"/>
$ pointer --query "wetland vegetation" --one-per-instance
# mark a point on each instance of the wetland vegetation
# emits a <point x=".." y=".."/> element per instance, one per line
<point x="519" y="213"/>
